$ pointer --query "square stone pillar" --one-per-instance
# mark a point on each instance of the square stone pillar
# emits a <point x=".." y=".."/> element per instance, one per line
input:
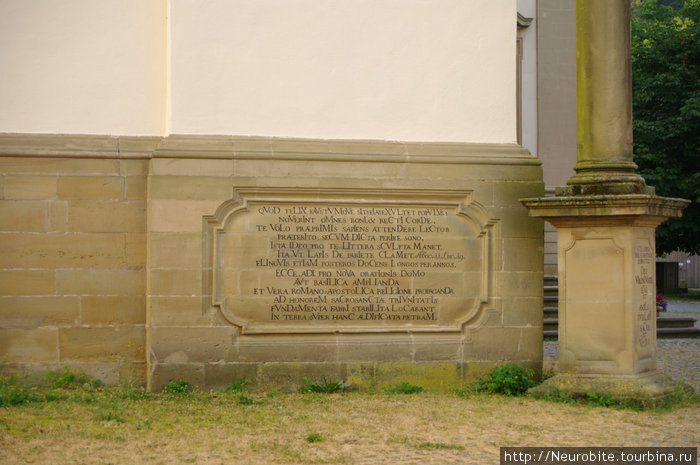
<point x="607" y="314"/>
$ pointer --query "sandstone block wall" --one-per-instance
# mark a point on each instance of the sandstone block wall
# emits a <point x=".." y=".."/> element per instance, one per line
<point x="117" y="257"/>
<point x="73" y="255"/>
<point x="201" y="296"/>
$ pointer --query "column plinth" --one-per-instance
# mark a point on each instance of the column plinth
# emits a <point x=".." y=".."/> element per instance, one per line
<point x="607" y="294"/>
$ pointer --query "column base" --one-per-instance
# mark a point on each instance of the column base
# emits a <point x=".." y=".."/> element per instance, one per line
<point x="647" y="390"/>
<point x="606" y="178"/>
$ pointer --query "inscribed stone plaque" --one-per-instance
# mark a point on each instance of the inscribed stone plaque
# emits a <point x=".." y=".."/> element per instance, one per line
<point x="340" y="260"/>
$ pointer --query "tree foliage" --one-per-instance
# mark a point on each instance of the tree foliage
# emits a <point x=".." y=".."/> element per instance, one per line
<point x="666" y="86"/>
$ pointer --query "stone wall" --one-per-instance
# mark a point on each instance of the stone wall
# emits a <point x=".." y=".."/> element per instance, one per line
<point x="73" y="254"/>
<point x="147" y="259"/>
<point x="210" y="325"/>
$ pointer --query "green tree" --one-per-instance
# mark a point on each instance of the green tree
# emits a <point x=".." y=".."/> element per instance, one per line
<point x="666" y="86"/>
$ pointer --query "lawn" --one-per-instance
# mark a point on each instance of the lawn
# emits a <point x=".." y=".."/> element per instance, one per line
<point x="88" y="424"/>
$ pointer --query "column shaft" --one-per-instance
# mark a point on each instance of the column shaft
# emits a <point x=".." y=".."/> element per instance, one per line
<point x="604" y="99"/>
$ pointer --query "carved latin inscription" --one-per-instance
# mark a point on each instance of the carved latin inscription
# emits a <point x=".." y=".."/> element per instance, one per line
<point x="644" y="293"/>
<point x="327" y="261"/>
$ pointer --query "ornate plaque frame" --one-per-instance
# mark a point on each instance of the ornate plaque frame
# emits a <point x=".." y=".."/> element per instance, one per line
<point x="459" y="206"/>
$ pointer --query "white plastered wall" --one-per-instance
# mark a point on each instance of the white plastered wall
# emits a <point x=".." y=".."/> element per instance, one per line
<point x="415" y="70"/>
<point x="83" y="66"/>
<point x="426" y="70"/>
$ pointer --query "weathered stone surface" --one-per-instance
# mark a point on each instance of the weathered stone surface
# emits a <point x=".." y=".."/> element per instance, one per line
<point x="58" y="216"/>
<point x="176" y="282"/>
<point x="180" y="216"/>
<point x="62" y="250"/>
<point x="194" y="344"/>
<point x="133" y="167"/>
<point x="444" y="349"/>
<point x="522" y="254"/>
<point x="522" y="311"/>
<point x="515" y="223"/>
<point x="101" y="282"/>
<point x="101" y="344"/>
<point x="161" y="374"/>
<point x="113" y="310"/>
<point x="90" y="187"/>
<point x="33" y="165"/>
<point x="106" y="216"/>
<point x="428" y="375"/>
<point x="223" y="375"/>
<point x="136" y="250"/>
<point x="191" y="187"/>
<point x="288" y="377"/>
<point x="178" y="311"/>
<point x="135" y="187"/>
<point x="367" y="350"/>
<point x="27" y="282"/>
<point x="35" y="311"/>
<point x="30" y="187"/>
<point x="173" y="250"/>
<point x="189" y="167"/>
<point x="292" y="349"/>
<point x="23" y="215"/>
<point x="28" y="345"/>
<point x="133" y="373"/>
<point x="505" y="343"/>
<point x="520" y="284"/>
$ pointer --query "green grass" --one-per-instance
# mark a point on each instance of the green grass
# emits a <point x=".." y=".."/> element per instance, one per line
<point x="64" y="385"/>
<point x="177" y="386"/>
<point x="314" y="437"/>
<point x="439" y="445"/>
<point x="70" y="386"/>
<point x="270" y="427"/>
<point x="324" y="386"/>
<point x="404" y="388"/>
<point x="681" y="397"/>
<point x="508" y="378"/>
<point x="238" y="386"/>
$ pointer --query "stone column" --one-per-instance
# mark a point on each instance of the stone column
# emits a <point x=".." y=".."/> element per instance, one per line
<point x="604" y="100"/>
<point x="606" y="220"/>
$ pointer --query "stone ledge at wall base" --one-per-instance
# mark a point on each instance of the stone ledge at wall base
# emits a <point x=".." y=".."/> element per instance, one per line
<point x="288" y="377"/>
<point x="607" y="308"/>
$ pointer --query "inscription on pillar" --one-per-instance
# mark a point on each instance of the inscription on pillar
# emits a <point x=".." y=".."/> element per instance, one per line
<point x="644" y="293"/>
<point x="307" y="266"/>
